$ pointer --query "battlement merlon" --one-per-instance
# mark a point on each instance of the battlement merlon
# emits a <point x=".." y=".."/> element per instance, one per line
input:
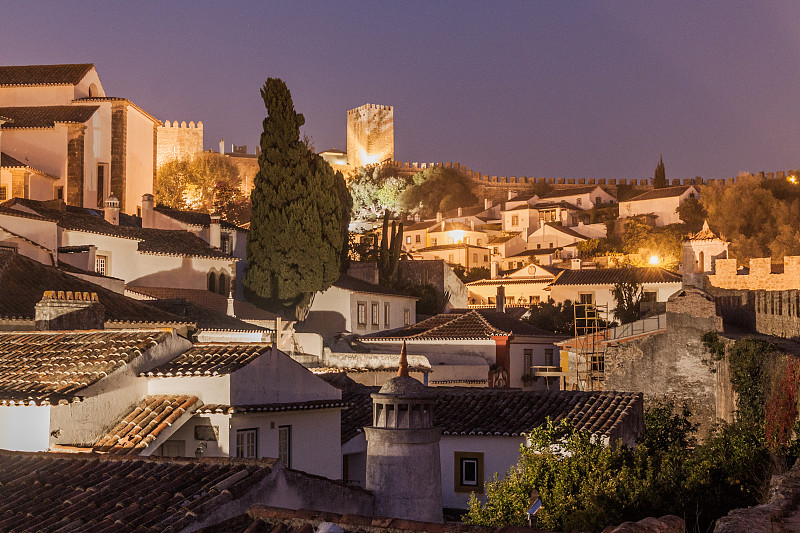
<point x="366" y="107"/>
<point x="182" y="124"/>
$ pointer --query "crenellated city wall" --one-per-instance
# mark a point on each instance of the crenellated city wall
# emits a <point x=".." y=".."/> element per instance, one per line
<point x="178" y="141"/>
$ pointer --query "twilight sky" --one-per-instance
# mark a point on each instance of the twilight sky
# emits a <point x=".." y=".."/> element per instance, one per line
<point x="548" y="89"/>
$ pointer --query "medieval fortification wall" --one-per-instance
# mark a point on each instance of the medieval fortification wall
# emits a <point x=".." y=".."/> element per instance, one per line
<point x="178" y="141"/>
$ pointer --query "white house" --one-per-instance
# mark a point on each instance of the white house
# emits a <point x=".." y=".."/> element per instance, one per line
<point x="663" y="203"/>
<point x="525" y="286"/>
<point x="551" y="235"/>
<point x="59" y="120"/>
<point x="482" y="430"/>
<point x="581" y="197"/>
<point x="596" y="286"/>
<point x="353" y="305"/>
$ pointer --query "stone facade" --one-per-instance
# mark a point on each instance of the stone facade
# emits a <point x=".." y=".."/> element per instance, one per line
<point x="760" y="276"/>
<point x="178" y="141"/>
<point x="673" y="364"/>
<point x="439" y="274"/>
<point x="75" y="157"/>
<point x="119" y="138"/>
<point x="370" y="135"/>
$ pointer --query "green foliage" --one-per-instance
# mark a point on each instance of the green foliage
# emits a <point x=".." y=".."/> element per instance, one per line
<point x="363" y="249"/>
<point x="627" y="296"/>
<point x="301" y="210"/>
<point x="585" y="485"/>
<point x="714" y="345"/>
<point x="431" y="301"/>
<point x="664" y="242"/>
<point x="473" y="274"/>
<point x="550" y="316"/>
<point x="389" y="253"/>
<point x="602" y="213"/>
<point x="660" y="175"/>
<point x="781" y="408"/>
<point x="437" y="189"/>
<point x="231" y="203"/>
<point x="693" y="214"/>
<point x="761" y="218"/>
<point x="376" y="189"/>
<point x="748" y="363"/>
<point x="190" y="184"/>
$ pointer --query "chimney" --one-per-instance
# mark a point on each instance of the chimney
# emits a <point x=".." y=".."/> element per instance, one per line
<point x="443" y="223"/>
<point x="67" y="310"/>
<point x="487" y="203"/>
<point x="511" y="194"/>
<point x="231" y="311"/>
<point x="214" y="232"/>
<point x="438" y="217"/>
<point x="472" y="224"/>
<point x="111" y="211"/>
<point x="460" y="211"/>
<point x="148" y="204"/>
<point x="416" y="218"/>
<point x="575" y="264"/>
<point x="501" y="298"/>
<point x="494" y="269"/>
<point x="222" y="146"/>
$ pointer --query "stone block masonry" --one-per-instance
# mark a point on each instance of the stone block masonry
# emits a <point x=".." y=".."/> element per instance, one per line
<point x="76" y="134"/>
<point x="370" y="135"/>
<point x="178" y="141"/>
<point x="119" y="142"/>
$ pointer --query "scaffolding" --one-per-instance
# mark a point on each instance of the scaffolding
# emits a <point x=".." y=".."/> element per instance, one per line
<point x="591" y="330"/>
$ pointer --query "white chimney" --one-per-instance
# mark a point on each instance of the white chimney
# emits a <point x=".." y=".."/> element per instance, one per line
<point x="472" y="224"/>
<point x="494" y="269"/>
<point x="501" y="298"/>
<point x="487" y="203"/>
<point x="231" y="311"/>
<point x="148" y="205"/>
<point x="438" y="217"/>
<point x="575" y="264"/>
<point x="214" y="231"/>
<point x="222" y="146"/>
<point x="111" y="211"/>
<point x="443" y="223"/>
<point x="460" y="211"/>
<point x="416" y="217"/>
<point x="511" y="194"/>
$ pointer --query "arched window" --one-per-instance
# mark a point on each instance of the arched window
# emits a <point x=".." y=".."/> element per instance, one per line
<point x="93" y="90"/>
<point x="212" y="282"/>
<point x="223" y="285"/>
<point x="700" y="263"/>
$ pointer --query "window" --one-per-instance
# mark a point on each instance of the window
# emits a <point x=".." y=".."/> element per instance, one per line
<point x="548" y="357"/>
<point x="586" y="297"/>
<point x="362" y="313"/>
<point x="474" y="258"/>
<point x="101" y="185"/>
<point x="247" y="443"/>
<point x="101" y="264"/>
<point x="551" y="245"/>
<point x="173" y="448"/>
<point x="59" y="193"/>
<point x="449" y="258"/>
<point x="486" y="258"/>
<point x="386" y="314"/>
<point x="649" y="296"/>
<point x="479" y="242"/>
<point x="3" y="193"/>
<point x="222" y="286"/>
<point x="449" y="240"/>
<point x="285" y="445"/>
<point x="539" y="246"/>
<point x="527" y="360"/>
<point x="515" y="220"/>
<point x="406" y="317"/>
<point x="408" y="239"/>
<point x="433" y="242"/>
<point x="468" y="472"/>
<point x="225" y="243"/>
<point x="466" y="240"/>
<point x="495" y="250"/>
<point x="212" y="282"/>
<point x="535" y="299"/>
<point x="417" y="239"/>
<point x="598" y="201"/>
<point x="578" y="202"/>
<point x="376" y="319"/>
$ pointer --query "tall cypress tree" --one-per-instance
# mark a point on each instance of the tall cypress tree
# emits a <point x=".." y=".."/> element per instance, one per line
<point x="298" y="229"/>
<point x="660" y="176"/>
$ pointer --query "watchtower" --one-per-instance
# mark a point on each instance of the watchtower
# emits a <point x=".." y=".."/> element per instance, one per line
<point x="370" y="135"/>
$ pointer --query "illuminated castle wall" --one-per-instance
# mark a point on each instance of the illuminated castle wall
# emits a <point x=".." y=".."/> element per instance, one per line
<point x="370" y="135"/>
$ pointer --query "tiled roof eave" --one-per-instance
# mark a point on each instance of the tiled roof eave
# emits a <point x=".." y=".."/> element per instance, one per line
<point x="431" y="338"/>
<point x="171" y="254"/>
<point x="42" y="401"/>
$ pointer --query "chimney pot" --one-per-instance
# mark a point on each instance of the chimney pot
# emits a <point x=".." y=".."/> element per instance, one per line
<point x="65" y="310"/>
<point x="214" y="231"/>
<point x="111" y="210"/>
<point x="501" y="298"/>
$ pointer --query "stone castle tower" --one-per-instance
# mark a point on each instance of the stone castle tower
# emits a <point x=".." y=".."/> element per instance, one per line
<point x="700" y="251"/>
<point x="403" y="465"/>
<point x="370" y="135"/>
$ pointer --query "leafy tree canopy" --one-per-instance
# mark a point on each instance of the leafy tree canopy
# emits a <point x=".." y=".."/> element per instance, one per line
<point x="550" y="316"/>
<point x="692" y="213"/>
<point x="301" y="211"/>
<point x="627" y="297"/>
<point x="437" y="189"/>
<point x="375" y="190"/>
<point x="190" y="184"/>
<point x="760" y="218"/>
<point x="663" y="242"/>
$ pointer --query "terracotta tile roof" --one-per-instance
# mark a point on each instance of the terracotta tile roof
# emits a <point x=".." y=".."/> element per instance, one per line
<point x="522" y="207"/>
<point x="451" y="226"/>
<point x="563" y="204"/>
<point x="207" y="299"/>
<point x="142" y="426"/>
<point x="51" y="366"/>
<point x="565" y="230"/>
<point x="572" y="191"/>
<point x="461" y="324"/>
<point x="506" y="412"/>
<point x="417" y="226"/>
<point x="105" y="493"/>
<point x="705" y="234"/>
<point x="90" y="99"/>
<point x="459" y="246"/>
<point x="509" y="281"/>
<point x="210" y="359"/>
<point x="610" y="276"/>
<point x="193" y="218"/>
<point x="43" y="74"/>
<point x="271" y="407"/>
<point x="538" y="251"/>
<point x="46" y="116"/>
<point x="350" y="283"/>
<point x="503" y="239"/>
<point x="155" y="241"/>
<point x="665" y="192"/>
<point x="206" y="319"/>
<point x="23" y="281"/>
<point x="465" y="211"/>
<point x="260" y="518"/>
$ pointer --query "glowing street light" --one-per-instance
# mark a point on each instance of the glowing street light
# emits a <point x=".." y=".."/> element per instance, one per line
<point x="654" y="260"/>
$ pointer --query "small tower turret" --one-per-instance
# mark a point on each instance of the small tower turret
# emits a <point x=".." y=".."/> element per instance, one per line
<point x="700" y="251"/>
<point x="403" y="464"/>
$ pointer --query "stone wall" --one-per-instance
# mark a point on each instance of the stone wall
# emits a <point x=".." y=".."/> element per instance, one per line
<point x="769" y="312"/>
<point x="673" y="364"/>
<point x="762" y="275"/>
<point x="665" y="524"/>
<point x="178" y="141"/>
<point x="76" y="134"/>
<point x="119" y="147"/>
<point x="437" y="273"/>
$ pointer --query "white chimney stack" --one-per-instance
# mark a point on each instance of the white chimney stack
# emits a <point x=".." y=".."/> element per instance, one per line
<point x="214" y="231"/>
<point x="460" y="211"/>
<point x="148" y="206"/>
<point x="222" y="146"/>
<point x="438" y="217"/>
<point x="111" y="210"/>
<point x="487" y="203"/>
<point x="494" y="269"/>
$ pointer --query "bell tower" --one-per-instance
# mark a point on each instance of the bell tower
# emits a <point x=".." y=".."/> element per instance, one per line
<point x="403" y="464"/>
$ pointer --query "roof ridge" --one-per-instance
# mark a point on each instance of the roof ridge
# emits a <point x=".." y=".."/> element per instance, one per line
<point x="486" y="322"/>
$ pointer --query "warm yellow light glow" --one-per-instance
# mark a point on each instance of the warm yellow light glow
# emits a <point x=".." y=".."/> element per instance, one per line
<point x="457" y="235"/>
<point x="654" y="260"/>
<point x="792" y="179"/>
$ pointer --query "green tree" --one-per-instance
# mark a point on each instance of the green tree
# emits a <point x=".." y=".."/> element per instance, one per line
<point x="627" y="297"/>
<point x="692" y="212"/>
<point x="660" y="175"/>
<point x="550" y="316"/>
<point x="231" y="204"/>
<point x="389" y="253"/>
<point x="376" y="189"/>
<point x="301" y="208"/>
<point x="189" y="184"/>
<point x="437" y="189"/>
